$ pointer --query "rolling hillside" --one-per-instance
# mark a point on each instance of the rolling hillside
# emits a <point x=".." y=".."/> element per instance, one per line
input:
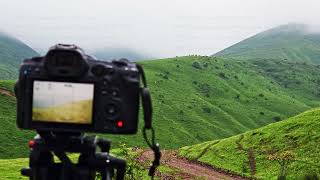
<point x="12" y="52"/>
<point x="293" y="42"/>
<point x="13" y="142"/>
<point x="295" y="141"/>
<point x="203" y="98"/>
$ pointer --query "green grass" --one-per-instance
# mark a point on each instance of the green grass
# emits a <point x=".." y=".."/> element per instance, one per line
<point x="12" y="52"/>
<point x="292" y="42"/>
<point x="10" y="168"/>
<point x="298" y="135"/>
<point x="13" y="142"/>
<point x="198" y="98"/>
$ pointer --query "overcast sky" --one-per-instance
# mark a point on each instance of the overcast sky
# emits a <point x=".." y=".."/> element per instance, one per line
<point x="160" y="28"/>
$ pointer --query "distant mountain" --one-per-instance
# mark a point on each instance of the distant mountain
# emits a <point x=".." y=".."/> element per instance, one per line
<point x="12" y="53"/>
<point x="292" y="42"/>
<point x="117" y="53"/>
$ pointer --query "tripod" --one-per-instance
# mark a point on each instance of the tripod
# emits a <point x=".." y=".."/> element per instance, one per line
<point x="90" y="162"/>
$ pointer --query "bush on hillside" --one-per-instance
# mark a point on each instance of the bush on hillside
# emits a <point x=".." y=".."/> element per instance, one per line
<point x="205" y="89"/>
<point x="222" y="75"/>
<point x="206" y="110"/>
<point x="134" y="170"/>
<point x="284" y="159"/>
<point x="276" y="118"/>
<point x="196" y="65"/>
<point x="311" y="176"/>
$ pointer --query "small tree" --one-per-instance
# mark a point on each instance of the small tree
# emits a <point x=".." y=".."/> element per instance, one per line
<point x="284" y="159"/>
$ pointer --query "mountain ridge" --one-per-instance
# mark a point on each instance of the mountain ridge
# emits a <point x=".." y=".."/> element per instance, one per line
<point x="292" y="42"/>
<point x="12" y="53"/>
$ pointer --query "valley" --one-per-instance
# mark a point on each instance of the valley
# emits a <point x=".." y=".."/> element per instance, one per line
<point x="241" y="110"/>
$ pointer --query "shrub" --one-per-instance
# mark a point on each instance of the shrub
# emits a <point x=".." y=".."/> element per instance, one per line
<point x="196" y="65"/>
<point x="222" y="75"/>
<point x="205" y="89"/>
<point x="134" y="170"/>
<point x="284" y="159"/>
<point x="206" y="110"/>
<point x="276" y="118"/>
<point x="311" y="176"/>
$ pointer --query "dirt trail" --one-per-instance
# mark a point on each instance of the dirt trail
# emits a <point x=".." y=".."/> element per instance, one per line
<point x="6" y="92"/>
<point x="186" y="169"/>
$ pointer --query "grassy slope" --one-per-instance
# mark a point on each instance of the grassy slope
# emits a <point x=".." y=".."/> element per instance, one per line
<point x="12" y="52"/>
<point x="299" y="134"/>
<point x="220" y="99"/>
<point x="292" y="42"/>
<point x="13" y="142"/>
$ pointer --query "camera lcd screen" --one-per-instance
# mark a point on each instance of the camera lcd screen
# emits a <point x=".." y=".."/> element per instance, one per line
<point x="62" y="102"/>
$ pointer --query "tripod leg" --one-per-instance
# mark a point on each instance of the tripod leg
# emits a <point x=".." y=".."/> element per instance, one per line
<point x="106" y="174"/>
<point x="40" y="162"/>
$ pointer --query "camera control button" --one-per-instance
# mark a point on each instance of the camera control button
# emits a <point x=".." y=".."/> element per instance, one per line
<point x="114" y="92"/>
<point x="98" y="70"/>
<point x="109" y="70"/>
<point x="104" y="92"/>
<point x="105" y="82"/>
<point x="111" y="110"/>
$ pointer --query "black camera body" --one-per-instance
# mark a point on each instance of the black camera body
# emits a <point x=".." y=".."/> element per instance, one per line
<point x="69" y="91"/>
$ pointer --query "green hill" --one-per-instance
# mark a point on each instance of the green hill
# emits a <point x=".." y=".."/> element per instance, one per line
<point x="13" y="142"/>
<point x="198" y="98"/>
<point x="12" y="52"/>
<point x="293" y="42"/>
<point x="254" y="153"/>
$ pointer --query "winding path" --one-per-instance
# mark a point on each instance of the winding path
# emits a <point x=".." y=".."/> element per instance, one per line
<point x="6" y="92"/>
<point x="186" y="169"/>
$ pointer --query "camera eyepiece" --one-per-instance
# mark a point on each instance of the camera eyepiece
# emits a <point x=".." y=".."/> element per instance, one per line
<point x="64" y="60"/>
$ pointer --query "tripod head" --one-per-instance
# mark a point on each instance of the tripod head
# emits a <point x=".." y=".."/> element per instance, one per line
<point x="90" y="162"/>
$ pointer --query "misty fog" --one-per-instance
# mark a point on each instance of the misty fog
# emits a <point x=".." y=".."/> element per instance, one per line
<point x="156" y="28"/>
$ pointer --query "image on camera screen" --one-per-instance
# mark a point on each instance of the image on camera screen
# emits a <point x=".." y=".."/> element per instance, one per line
<point x="62" y="102"/>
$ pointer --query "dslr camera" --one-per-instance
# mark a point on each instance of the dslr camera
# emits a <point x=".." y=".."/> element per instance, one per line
<point x="69" y="91"/>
